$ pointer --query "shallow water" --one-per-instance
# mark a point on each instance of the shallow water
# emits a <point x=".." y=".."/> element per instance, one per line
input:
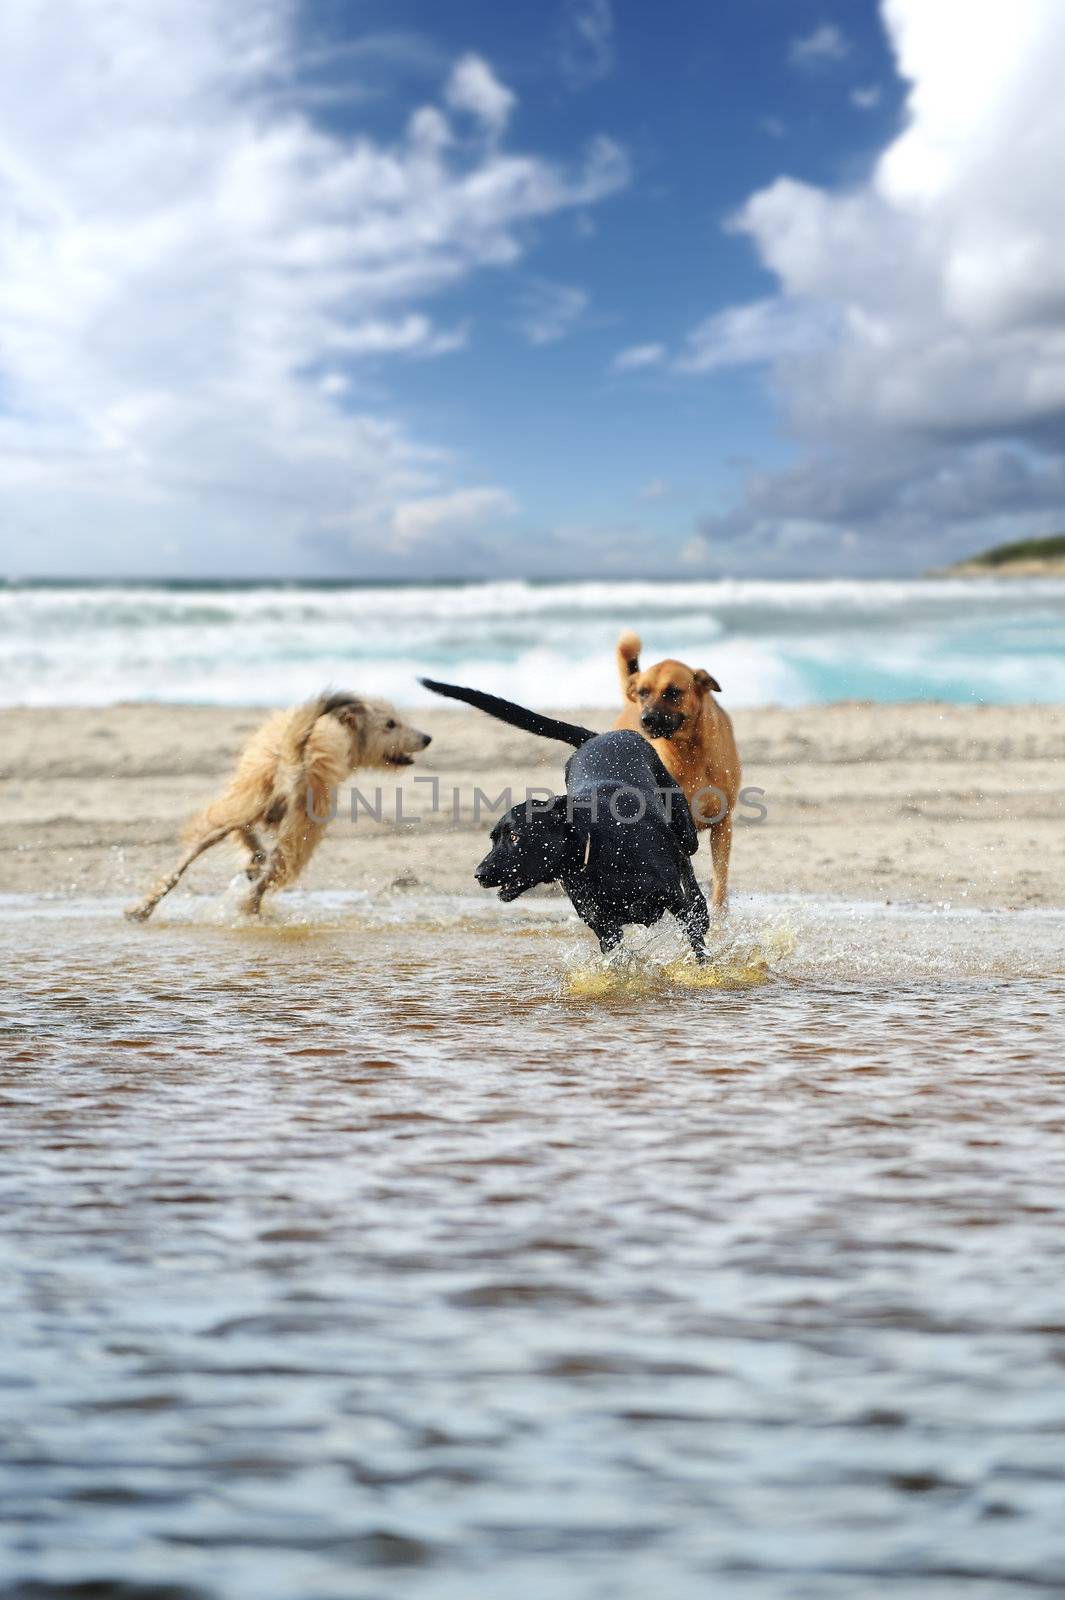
<point x="407" y="1251"/>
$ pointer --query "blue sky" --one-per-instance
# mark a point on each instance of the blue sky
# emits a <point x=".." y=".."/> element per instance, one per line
<point x="709" y="103"/>
<point x="576" y="286"/>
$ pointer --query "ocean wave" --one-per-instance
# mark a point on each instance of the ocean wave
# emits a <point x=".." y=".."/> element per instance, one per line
<point x="548" y="644"/>
<point x="514" y="598"/>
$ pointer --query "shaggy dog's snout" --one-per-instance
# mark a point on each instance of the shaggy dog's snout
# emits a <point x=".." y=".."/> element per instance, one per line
<point x="427" y="740"/>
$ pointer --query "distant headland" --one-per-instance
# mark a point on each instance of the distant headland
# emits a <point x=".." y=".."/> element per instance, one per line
<point x="1025" y="558"/>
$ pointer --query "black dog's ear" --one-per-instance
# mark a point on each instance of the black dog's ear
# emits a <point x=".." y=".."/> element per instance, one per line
<point x="704" y="681"/>
<point x="555" y="809"/>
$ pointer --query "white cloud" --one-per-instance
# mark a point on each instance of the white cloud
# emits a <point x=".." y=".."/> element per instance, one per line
<point x="938" y="284"/>
<point x="944" y="269"/>
<point x="415" y="521"/>
<point x="825" y="43"/>
<point x="639" y="356"/>
<point x="867" y="98"/>
<point x="185" y="256"/>
<point x="412" y="335"/>
<point x="762" y="330"/>
<point x="474" y="87"/>
<point x="550" y="311"/>
<point x="587" y="41"/>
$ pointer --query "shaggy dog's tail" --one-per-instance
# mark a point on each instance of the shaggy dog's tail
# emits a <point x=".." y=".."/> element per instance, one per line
<point x="628" y="658"/>
<point x="517" y="716"/>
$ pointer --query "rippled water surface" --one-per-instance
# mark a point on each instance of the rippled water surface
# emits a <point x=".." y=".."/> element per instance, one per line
<point x="387" y="1254"/>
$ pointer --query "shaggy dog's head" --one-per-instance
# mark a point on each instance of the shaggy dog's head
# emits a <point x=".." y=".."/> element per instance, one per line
<point x="669" y="696"/>
<point x="379" y="735"/>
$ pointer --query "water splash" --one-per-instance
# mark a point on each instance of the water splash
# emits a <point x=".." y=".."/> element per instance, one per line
<point x="738" y="962"/>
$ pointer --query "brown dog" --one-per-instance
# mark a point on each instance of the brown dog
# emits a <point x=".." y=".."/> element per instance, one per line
<point x="673" y="707"/>
<point x="283" y="784"/>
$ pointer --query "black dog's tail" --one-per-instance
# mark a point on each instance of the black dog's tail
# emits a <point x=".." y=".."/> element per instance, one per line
<point x="517" y="716"/>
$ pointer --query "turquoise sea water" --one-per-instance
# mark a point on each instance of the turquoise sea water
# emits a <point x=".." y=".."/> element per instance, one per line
<point x="788" y="643"/>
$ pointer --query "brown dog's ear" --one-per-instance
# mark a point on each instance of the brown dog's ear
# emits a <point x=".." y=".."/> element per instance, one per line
<point x="704" y="681"/>
<point x="628" y="659"/>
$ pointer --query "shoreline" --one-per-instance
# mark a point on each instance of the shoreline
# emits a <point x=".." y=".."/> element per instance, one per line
<point x="925" y="802"/>
<point x="1006" y="569"/>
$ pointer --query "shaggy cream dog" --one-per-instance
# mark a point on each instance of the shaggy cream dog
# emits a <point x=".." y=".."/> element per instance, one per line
<point x="282" y="786"/>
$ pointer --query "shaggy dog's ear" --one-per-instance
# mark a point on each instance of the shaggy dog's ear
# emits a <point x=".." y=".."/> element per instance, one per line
<point x="704" y="681"/>
<point x="352" y="714"/>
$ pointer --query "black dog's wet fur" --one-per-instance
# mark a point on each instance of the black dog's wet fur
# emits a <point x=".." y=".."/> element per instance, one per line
<point x="615" y="865"/>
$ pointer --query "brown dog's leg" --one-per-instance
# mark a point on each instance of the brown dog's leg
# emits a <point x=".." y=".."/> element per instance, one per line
<point x="720" y="849"/>
<point x="143" y="910"/>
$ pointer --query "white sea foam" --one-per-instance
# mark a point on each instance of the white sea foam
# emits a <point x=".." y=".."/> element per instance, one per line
<point x="549" y="644"/>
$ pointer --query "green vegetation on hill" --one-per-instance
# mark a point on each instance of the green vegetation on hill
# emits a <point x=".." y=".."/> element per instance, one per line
<point x="1052" y="549"/>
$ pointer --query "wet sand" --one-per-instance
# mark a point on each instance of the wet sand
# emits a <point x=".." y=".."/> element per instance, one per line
<point x="927" y="802"/>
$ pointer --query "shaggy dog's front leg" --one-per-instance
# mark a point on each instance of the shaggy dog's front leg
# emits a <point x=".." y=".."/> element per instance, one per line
<point x="256" y="852"/>
<point x="297" y="839"/>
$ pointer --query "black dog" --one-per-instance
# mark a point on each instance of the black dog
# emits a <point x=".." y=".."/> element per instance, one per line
<point x="619" y="841"/>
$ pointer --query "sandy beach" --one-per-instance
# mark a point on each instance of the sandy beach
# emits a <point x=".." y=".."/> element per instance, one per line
<point x="924" y="802"/>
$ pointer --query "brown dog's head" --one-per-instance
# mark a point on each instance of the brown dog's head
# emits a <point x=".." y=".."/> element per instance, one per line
<point x="669" y="695"/>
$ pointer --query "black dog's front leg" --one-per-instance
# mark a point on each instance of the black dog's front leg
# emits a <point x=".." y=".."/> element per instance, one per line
<point x="609" y="938"/>
<point x="694" y="915"/>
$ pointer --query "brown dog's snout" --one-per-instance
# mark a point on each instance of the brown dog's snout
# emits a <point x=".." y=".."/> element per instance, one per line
<point x="660" y="724"/>
<point x="427" y="740"/>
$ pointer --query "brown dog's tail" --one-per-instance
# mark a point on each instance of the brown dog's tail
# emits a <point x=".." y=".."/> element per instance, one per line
<point x="628" y="655"/>
<point x="517" y="716"/>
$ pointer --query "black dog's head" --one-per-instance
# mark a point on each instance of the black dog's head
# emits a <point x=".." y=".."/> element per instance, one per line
<point x="530" y="845"/>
